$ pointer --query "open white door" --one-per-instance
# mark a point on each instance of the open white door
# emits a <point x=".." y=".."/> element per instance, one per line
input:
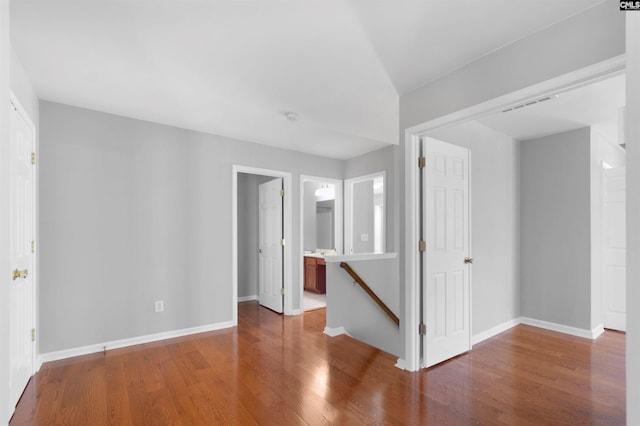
<point x="446" y="270"/>
<point x="271" y="245"/>
<point x="615" y="249"/>
<point x="22" y="291"/>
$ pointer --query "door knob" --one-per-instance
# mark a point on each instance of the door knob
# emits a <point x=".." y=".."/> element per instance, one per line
<point x="468" y="260"/>
<point x="20" y="274"/>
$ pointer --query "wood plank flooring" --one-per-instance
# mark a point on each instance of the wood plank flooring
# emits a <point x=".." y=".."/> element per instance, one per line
<point x="276" y="370"/>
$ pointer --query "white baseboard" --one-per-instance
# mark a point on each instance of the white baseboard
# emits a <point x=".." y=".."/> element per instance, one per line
<point x="596" y="332"/>
<point x="115" y="344"/>
<point x="247" y="298"/>
<point x="561" y="328"/>
<point x="401" y="364"/>
<point x="297" y="311"/>
<point x="333" y="332"/>
<point x="493" y="331"/>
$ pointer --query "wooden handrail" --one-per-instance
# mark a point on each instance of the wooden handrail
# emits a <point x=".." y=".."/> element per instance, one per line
<point x="367" y="289"/>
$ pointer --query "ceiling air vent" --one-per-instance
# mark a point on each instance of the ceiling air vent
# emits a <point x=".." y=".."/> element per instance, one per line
<point x="529" y="103"/>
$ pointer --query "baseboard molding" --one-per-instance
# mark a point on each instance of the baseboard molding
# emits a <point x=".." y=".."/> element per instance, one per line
<point x="493" y="331"/>
<point x="297" y="311"/>
<point x="247" y="298"/>
<point x="596" y="332"/>
<point x="333" y="332"/>
<point x="115" y="344"/>
<point x="401" y="364"/>
<point x="561" y="328"/>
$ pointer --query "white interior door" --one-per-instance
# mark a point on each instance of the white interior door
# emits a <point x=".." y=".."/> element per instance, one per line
<point x="22" y="291"/>
<point x="271" y="246"/>
<point x="615" y="249"/>
<point x="446" y="275"/>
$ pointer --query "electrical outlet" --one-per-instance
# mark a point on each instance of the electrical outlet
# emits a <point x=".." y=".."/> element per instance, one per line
<point x="159" y="305"/>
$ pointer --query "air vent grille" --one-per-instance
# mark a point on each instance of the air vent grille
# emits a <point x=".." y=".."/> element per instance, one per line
<point x="529" y="103"/>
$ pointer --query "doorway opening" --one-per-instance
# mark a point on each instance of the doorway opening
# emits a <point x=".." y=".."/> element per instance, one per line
<point x="320" y="235"/>
<point x="249" y="184"/>
<point x="412" y="302"/>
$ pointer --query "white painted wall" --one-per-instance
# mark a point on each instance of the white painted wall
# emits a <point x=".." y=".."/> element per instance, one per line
<point x="5" y="55"/>
<point x="633" y="211"/>
<point x="140" y="212"/>
<point x="494" y="222"/>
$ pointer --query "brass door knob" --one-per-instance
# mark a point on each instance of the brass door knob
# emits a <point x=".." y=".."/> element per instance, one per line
<point x="20" y="274"/>
<point x="468" y="260"/>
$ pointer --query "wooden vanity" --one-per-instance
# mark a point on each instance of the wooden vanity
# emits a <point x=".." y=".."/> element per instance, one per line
<point x="315" y="274"/>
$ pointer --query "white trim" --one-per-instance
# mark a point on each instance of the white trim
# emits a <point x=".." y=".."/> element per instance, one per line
<point x="412" y="255"/>
<point x="287" y="179"/>
<point x="561" y="328"/>
<point x="348" y="207"/>
<point x="401" y="364"/>
<point x="494" y="331"/>
<point x="115" y="344"/>
<point x="247" y="298"/>
<point x="338" y="217"/>
<point x="567" y="81"/>
<point x="360" y="257"/>
<point x="335" y="331"/>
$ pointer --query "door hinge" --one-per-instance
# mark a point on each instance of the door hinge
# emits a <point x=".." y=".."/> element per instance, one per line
<point x="422" y="329"/>
<point x="282" y="291"/>
<point x="282" y="242"/>
<point x="33" y="158"/>
<point x="33" y="246"/>
<point x="282" y="192"/>
<point x="33" y="334"/>
<point x="422" y="162"/>
<point x="422" y="246"/>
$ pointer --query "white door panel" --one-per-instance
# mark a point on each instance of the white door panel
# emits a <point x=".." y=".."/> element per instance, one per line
<point x="271" y="250"/>
<point x="446" y="275"/>
<point x="615" y="252"/>
<point x="22" y="287"/>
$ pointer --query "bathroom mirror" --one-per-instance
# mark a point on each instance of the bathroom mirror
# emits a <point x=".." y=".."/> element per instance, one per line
<point x="365" y="214"/>
<point x="321" y="215"/>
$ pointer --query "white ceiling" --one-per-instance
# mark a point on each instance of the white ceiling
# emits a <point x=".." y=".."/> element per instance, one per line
<point x="593" y="105"/>
<point x="234" y="67"/>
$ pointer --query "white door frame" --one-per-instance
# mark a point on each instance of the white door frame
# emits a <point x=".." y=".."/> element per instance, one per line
<point x="287" y="179"/>
<point x="411" y="319"/>
<point x="23" y="113"/>
<point x="338" y="225"/>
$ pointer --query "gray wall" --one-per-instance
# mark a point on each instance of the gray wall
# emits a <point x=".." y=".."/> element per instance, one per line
<point x="362" y="212"/>
<point x="141" y="212"/>
<point x="495" y="222"/>
<point x="248" y="226"/>
<point x="309" y="233"/>
<point x="350" y="307"/>
<point x="555" y="244"/>
<point x="633" y="226"/>
<point x="383" y="159"/>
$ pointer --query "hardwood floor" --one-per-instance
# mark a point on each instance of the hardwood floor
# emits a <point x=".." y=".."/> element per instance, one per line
<point x="282" y="370"/>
